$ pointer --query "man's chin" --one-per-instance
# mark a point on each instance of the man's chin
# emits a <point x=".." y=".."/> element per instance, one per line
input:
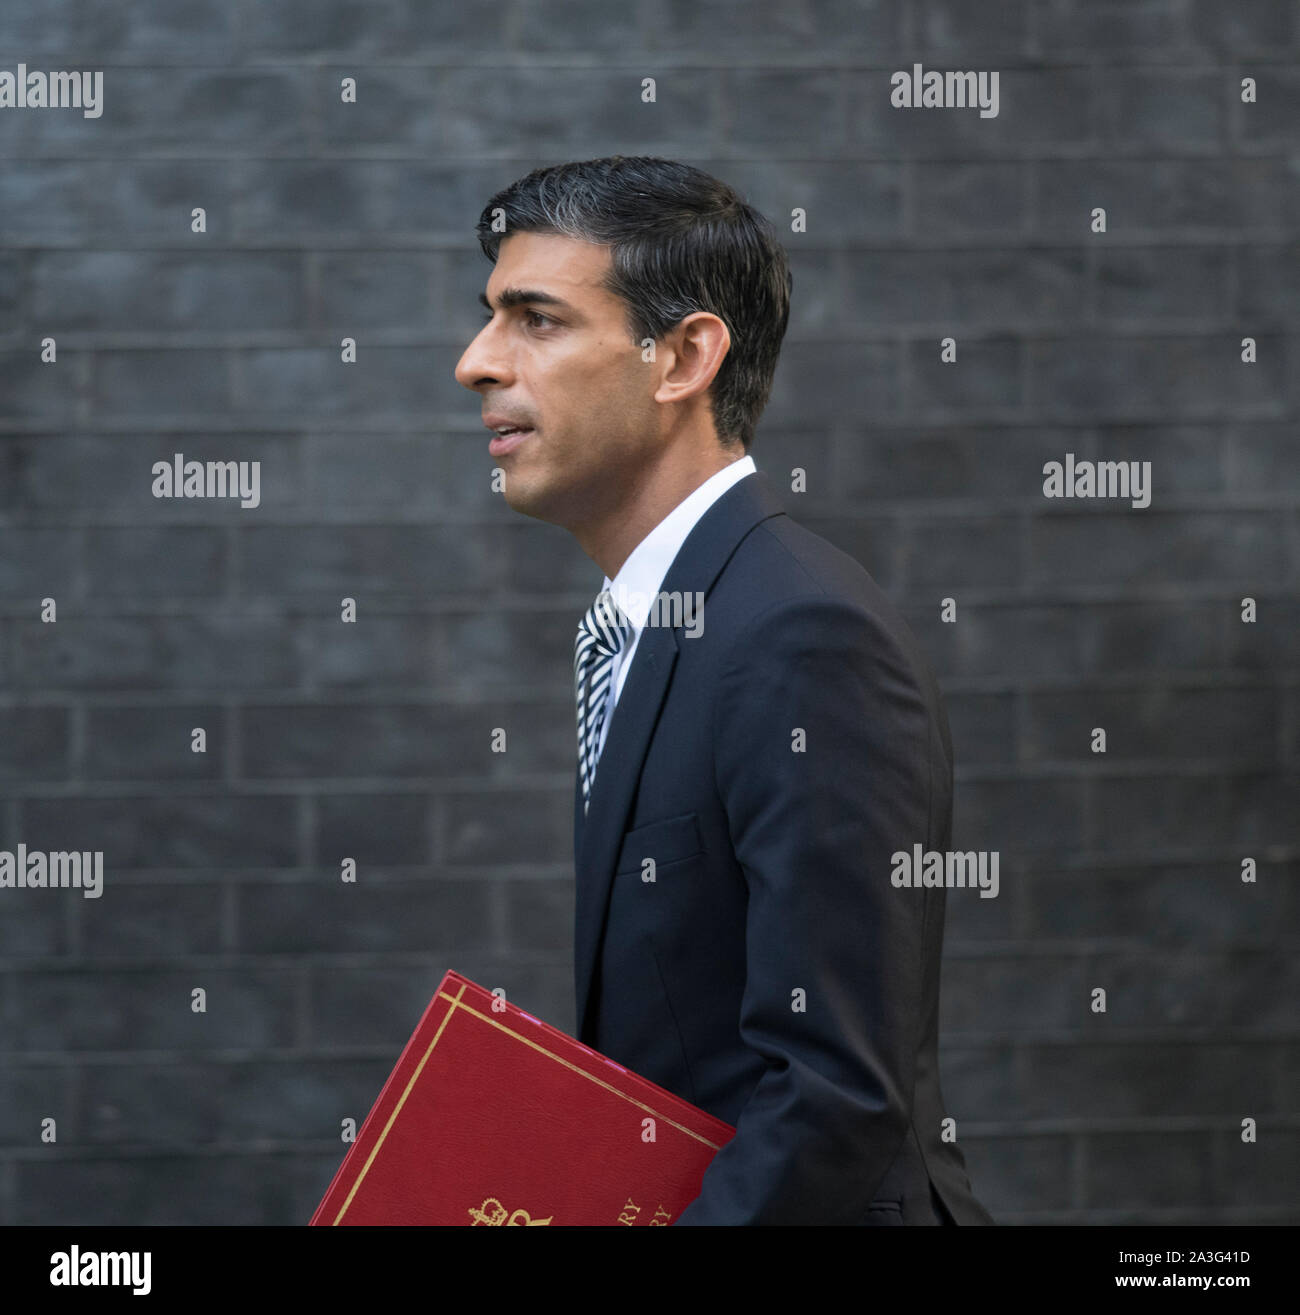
<point x="527" y="501"/>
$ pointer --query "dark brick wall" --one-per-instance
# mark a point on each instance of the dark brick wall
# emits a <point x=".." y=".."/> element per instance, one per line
<point x="372" y="740"/>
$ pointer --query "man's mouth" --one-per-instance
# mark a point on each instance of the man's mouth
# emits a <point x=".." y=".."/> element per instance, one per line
<point x="507" y="441"/>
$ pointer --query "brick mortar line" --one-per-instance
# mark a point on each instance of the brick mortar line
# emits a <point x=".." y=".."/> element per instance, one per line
<point x="971" y="1130"/>
<point x="434" y="695"/>
<point x="953" y="1040"/>
<point x="1161" y="958"/>
<point x="290" y="785"/>
<point x="327" y="62"/>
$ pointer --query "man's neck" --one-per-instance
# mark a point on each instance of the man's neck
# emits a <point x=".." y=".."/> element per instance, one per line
<point x="612" y="543"/>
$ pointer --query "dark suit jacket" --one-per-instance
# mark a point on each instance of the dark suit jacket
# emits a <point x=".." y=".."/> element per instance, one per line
<point x="772" y="882"/>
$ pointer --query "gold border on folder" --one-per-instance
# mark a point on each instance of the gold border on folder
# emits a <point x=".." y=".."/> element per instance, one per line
<point x="469" y="1009"/>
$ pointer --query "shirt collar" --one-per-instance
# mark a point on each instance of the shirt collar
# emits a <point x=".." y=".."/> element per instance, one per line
<point x="640" y="577"/>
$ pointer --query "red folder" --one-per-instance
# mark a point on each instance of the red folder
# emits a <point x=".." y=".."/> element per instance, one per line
<point x="493" y="1117"/>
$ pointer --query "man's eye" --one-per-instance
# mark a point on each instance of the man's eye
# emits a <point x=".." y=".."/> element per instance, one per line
<point x="530" y="315"/>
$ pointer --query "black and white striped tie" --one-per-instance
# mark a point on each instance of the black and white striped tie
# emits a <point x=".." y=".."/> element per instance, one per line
<point x="601" y="636"/>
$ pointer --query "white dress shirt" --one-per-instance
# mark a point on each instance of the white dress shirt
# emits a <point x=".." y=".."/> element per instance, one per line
<point x="642" y="575"/>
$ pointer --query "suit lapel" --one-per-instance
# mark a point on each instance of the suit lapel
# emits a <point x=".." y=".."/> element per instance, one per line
<point x="598" y="837"/>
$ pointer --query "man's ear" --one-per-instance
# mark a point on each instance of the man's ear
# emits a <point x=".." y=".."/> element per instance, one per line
<point x="697" y="347"/>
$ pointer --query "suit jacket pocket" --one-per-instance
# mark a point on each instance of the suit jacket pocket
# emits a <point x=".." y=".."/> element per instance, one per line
<point x="670" y="840"/>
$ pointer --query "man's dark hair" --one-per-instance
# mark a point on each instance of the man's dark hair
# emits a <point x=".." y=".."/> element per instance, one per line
<point x="683" y="241"/>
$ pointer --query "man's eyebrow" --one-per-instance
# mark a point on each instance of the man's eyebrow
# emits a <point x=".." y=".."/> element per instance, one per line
<point x="518" y="296"/>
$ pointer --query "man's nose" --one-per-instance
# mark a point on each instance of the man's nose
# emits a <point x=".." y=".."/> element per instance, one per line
<point x="481" y="363"/>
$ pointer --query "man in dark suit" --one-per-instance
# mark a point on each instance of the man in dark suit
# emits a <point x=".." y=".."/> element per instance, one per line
<point x="758" y="732"/>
